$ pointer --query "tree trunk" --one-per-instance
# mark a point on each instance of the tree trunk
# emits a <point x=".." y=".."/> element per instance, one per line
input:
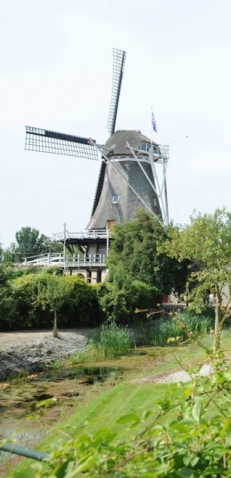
<point x="55" y="330"/>
<point x="217" y="328"/>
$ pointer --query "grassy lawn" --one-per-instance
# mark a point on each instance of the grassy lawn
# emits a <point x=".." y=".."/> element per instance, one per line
<point x="126" y="397"/>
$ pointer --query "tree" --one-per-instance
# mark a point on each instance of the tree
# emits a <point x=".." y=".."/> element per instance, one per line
<point x="206" y="242"/>
<point x="30" y="242"/>
<point x="52" y="293"/>
<point x="133" y="259"/>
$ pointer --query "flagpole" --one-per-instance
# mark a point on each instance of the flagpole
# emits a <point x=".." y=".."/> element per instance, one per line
<point x="151" y="125"/>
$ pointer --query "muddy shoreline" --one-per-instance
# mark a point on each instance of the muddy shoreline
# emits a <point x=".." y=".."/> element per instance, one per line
<point x="34" y="351"/>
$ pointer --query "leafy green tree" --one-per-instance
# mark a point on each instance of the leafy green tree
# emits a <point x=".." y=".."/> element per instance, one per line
<point x="120" y="296"/>
<point x="31" y="242"/>
<point x="206" y="242"/>
<point x="135" y="248"/>
<point x="133" y="259"/>
<point x="53" y="295"/>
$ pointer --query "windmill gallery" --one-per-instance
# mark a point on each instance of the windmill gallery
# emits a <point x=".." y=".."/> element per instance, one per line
<point x="127" y="181"/>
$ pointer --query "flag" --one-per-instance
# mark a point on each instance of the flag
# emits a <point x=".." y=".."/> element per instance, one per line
<point x="154" y="122"/>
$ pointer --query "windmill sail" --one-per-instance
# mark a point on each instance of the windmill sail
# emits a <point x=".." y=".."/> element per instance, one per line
<point x="45" y="141"/>
<point x="118" y="68"/>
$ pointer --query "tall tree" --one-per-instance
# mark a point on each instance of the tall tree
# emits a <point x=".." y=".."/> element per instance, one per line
<point x="30" y="242"/>
<point x="206" y="242"/>
<point x="138" y="276"/>
<point x="135" y="248"/>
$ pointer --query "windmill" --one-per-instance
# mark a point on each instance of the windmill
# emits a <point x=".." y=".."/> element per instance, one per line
<point x="128" y="177"/>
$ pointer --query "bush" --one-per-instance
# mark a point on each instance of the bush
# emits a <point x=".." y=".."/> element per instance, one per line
<point x="120" y="298"/>
<point x="111" y="340"/>
<point x="32" y="308"/>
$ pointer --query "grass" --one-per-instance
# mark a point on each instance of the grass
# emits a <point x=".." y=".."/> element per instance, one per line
<point x="127" y="397"/>
<point x="106" y="342"/>
<point x="111" y="340"/>
<point x="177" y="329"/>
<point x="102" y="412"/>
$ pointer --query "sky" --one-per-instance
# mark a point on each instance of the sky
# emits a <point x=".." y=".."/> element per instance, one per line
<point x="56" y="73"/>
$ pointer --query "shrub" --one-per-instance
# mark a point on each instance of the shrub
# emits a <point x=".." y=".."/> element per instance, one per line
<point x="120" y="298"/>
<point x="32" y="308"/>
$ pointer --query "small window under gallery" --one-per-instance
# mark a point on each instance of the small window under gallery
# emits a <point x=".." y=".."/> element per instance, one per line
<point x="115" y="199"/>
<point x="146" y="147"/>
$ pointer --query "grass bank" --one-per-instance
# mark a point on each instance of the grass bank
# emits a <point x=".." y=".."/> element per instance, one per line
<point x="128" y="397"/>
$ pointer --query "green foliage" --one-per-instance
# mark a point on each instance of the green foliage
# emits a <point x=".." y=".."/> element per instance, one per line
<point x="111" y="340"/>
<point x="138" y="277"/>
<point x="35" y="297"/>
<point x="7" y="305"/>
<point x="135" y="248"/>
<point x="30" y="242"/>
<point x="52" y="295"/>
<point x="119" y="297"/>
<point x="206" y="242"/>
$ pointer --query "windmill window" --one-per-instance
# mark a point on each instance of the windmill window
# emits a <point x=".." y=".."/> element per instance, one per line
<point x="155" y="202"/>
<point x="145" y="146"/>
<point x="115" y="199"/>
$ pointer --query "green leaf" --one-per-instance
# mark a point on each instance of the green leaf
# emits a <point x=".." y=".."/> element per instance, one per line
<point x="188" y="472"/>
<point x="147" y="414"/>
<point x="105" y="436"/>
<point x="197" y="409"/>
<point x="130" y="418"/>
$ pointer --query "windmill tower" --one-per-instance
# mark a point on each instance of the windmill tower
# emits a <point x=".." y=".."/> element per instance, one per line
<point x="128" y="178"/>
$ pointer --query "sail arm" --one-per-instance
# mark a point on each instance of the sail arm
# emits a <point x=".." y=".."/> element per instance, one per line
<point x="44" y="141"/>
<point x="118" y="68"/>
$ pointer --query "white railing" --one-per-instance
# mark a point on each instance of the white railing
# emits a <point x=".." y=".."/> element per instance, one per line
<point x="73" y="261"/>
<point x="94" y="234"/>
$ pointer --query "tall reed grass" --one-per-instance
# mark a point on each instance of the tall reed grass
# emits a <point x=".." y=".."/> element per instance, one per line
<point x="111" y="340"/>
<point x="175" y="330"/>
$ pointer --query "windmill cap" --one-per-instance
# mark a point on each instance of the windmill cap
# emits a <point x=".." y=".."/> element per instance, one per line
<point x="117" y="141"/>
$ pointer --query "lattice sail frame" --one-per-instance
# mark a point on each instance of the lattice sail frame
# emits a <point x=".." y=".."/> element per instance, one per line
<point x="119" y="57"/>
<point x="45" y="141"/>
